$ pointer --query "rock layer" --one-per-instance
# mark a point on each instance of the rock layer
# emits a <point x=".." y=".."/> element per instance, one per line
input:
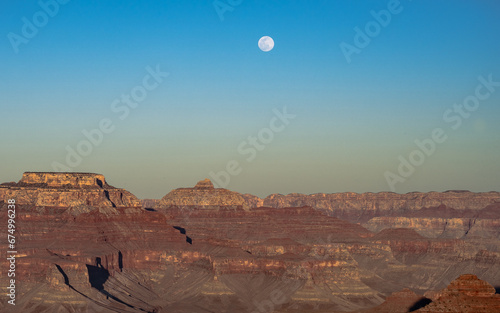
<point x="203" y="195"/>
<point x="465" y="294"/>
<point x="362" y="207"/>
<point x="450" y="214"/>
<point x="67" y="190"/>
<point x="201" y="250"/>
<point x="62" y="180"/>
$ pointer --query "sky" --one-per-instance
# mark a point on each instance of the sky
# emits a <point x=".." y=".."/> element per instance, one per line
<point x="360" y="96"/>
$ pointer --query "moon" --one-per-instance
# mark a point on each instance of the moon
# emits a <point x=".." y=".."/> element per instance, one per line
<point x="266" y="43"/>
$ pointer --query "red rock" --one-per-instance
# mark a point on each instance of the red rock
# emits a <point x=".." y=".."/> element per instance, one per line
<point x="66" y="190"/>
<point x="465" y="294"/>
<point x="203" y="195"/>
<point x="469" y="285"/>
<point x="362" y="207"/>
<point x="204" y="250"/>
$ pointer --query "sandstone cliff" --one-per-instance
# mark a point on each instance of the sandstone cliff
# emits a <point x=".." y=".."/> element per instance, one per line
<point x="444" y="222"/>
<point x="450" y="214"/>
<point x="67" y="190"/>
<point x="362" y="207"/>
<point x="202" y="250"/>
<point x="203" y="195"/>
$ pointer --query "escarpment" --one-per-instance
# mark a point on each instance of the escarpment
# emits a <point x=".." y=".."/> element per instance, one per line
<point x="203" y="195"/>
<point x="85" y="246"/>
<point x="67" y="190"/>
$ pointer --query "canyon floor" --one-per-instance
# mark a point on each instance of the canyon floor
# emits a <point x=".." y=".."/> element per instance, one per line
<point x="85" y="246"/>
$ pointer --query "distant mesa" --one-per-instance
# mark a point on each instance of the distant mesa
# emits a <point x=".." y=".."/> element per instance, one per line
<point x="69" y="180"/>
<point x="204" y="196"/>
<point x="67" y="190"/>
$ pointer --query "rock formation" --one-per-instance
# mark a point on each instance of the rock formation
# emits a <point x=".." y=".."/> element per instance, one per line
<point x="66" y="190"/>
<point x="63" y="180"/>
<point x="450" y="214"/>
<point x="362" y="207"/>
<point x="203" y="196"/>
<point x="466" y="294"/>
<point x="84" y="246"/>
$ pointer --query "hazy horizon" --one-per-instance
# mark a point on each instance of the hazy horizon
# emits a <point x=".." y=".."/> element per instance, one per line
<point x="167" y="94"/>
<point x="265" y="195"/>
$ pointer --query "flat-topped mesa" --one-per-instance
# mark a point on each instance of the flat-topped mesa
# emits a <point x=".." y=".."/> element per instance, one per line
<point x="67" y="190"/>
<point x="68" y="180"/>
<point x="204" y="196"/>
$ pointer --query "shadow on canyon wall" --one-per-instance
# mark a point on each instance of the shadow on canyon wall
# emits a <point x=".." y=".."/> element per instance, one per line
<point x="420" y="304"/>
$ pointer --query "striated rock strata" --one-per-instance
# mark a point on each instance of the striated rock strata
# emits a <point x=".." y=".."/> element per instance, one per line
<point x="202" y="250"/>
<point x="66" y="190"/>
<point x="362" y="207"/>
<point x="203" y="195"/>
<point x="466" y="294"/>
<point x="450" y="214"/>
<point x="445" y="222"/>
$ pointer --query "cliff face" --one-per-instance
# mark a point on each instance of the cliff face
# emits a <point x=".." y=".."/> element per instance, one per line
<point x="362" y="207"/>
<point x="61" y="180"/>
<point x="67" y="190"/>
<point x="440" y="227"/>
<point x="451" y="214"/>
<point x="202" y="250"/>
<point x="203" y="195"/>
<point x="253" y="201"/>
<point x="445" y="222"/>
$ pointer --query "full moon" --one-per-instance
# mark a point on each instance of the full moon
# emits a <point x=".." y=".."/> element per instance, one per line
<point x="266" y="43"/>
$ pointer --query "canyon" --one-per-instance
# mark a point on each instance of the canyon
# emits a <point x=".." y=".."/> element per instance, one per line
<point x="86" y="246"/>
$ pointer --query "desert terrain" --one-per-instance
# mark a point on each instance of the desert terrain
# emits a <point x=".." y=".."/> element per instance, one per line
<point x="86" y="246"/>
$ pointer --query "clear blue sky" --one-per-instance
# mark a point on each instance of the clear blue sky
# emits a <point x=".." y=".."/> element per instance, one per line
<point x="353" y="120"/>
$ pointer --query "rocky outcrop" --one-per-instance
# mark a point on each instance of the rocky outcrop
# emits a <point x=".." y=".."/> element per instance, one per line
<point x="67" y="190"/>
<point x="203" y="195"/>
<point x="63" y="180"/>
<point x="253" y="201"/>
<point x="467" y="285"/>
<point x="204" y="184"/>
<point x="465" y="294"/>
